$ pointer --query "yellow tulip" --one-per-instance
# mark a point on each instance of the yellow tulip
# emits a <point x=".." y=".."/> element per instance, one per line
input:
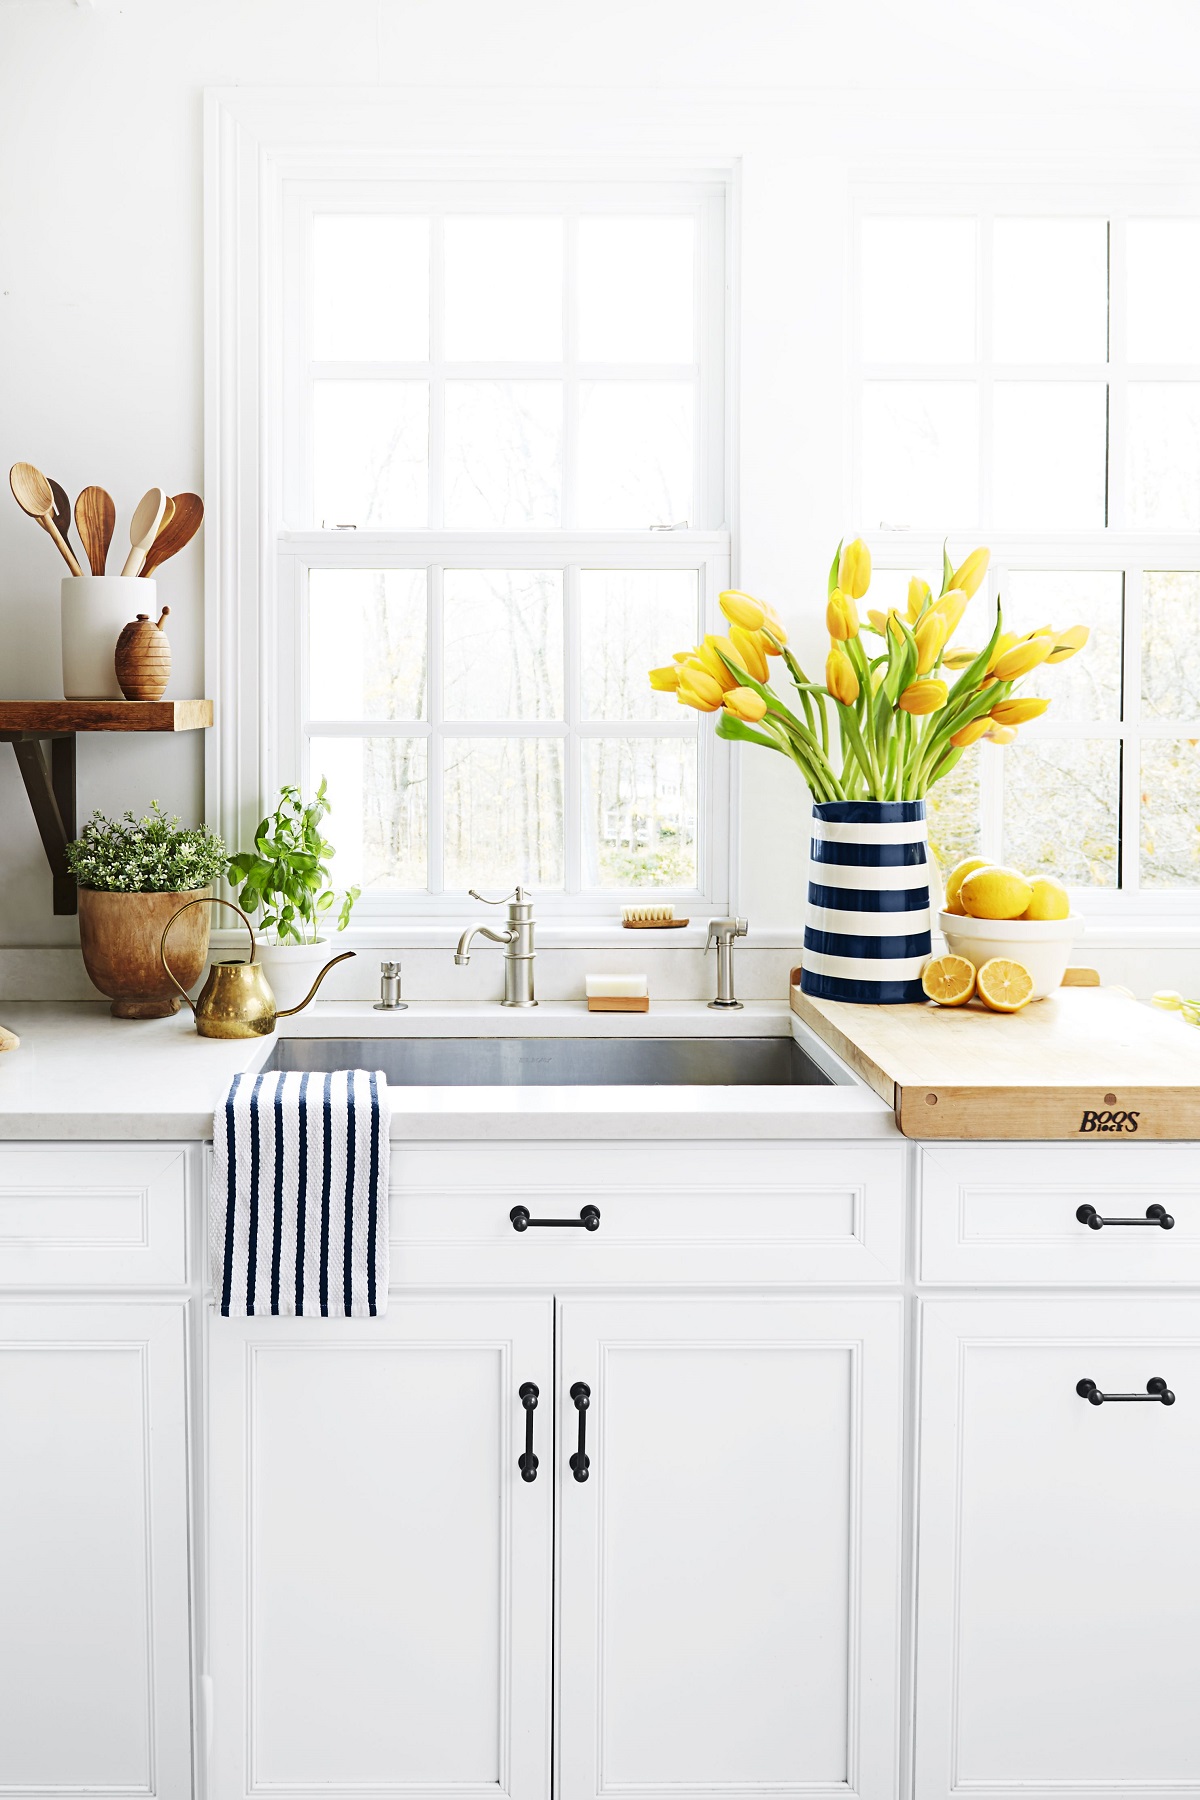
<point x="951" y="606"/>
<point x="877" y="620"/>
<point x="924" y="697"/>
<point x="918" y="598"/>
<point x="930" y="634"/>
<point x="697" y="689"/>
<point x="1022" y="658"/>
<point x="665" y="681"/>
<point x="854" y="570"/>
<point x="1000" y="734"/>
<point x="750" y="651"/>
<point x="775" y="626"/>
<point x="742" y="609"/>
<point x="959" y="659"/>
<point x="706" y="655"/>
<point x="970" y="574"/>
<point x="840" y="678"/>
<point x="970" y="734"/>
<point x="841" y="616"/>
<point x="1004" y="643"/>
<point x="1067" y="643"/>
<point x="1017" y="710"/>
<point x="745" y="704"/>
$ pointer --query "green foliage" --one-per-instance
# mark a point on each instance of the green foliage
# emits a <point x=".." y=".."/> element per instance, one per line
<point x="287" y="872"/>
<point x="150" y="855"/>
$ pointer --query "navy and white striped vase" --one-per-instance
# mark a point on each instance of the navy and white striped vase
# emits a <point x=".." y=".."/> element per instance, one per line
<point x="867" y="931"/>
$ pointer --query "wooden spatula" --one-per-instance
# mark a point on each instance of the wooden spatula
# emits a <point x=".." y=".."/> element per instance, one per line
<point x="96" y="518"/>
<point x="34" y="495"/>
<point x="182" y="528"/>
<point x="143" y="529"/>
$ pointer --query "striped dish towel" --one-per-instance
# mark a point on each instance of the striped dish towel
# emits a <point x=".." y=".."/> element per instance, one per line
<point x="298" y="1207"/>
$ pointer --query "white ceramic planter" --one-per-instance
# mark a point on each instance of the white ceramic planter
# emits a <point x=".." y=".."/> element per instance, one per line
<point x="1043" y="946"/>
<point x="291" y="969"/>
<point x="95" y="610"/>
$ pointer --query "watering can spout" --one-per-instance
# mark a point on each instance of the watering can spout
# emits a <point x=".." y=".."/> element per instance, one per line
<point x="332" y="964"/>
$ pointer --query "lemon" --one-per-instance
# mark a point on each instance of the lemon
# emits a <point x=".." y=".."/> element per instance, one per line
<point x="1004" y="986"/>
<point x="949" y="980"/>
<point x="957" y="876"/>
<point x="1050" y="901"/>
<point x="995" y="893"/>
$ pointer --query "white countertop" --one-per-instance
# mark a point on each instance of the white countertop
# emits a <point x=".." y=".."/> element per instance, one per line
<point x="80" y="1074"/>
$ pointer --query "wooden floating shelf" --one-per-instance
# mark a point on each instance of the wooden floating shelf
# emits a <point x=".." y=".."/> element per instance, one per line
<point x="51" y="786"/>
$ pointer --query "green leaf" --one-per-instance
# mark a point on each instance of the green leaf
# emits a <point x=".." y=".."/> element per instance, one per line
<point x="835" y="565"/>
<point x="947" y="567"/>
<point x="737" y="731"/>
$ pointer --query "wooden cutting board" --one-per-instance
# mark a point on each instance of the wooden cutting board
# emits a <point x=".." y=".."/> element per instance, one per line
<point x="1083" y="1064"/>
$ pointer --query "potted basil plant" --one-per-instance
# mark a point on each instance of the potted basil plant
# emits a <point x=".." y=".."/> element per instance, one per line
<point x="285" y="879"/>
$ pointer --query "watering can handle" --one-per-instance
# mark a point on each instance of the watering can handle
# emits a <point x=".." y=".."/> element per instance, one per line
<point x="213" y="900"/>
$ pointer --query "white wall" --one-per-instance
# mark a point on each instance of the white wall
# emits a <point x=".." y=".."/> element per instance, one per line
<point x="100" y="262"/>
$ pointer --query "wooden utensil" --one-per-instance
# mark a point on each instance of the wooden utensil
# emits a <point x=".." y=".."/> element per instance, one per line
<point x="34" y="495"/>
<point x="62" y="511"/>
<point x="8" y="1039"/>
<point x="189" y="511"/>
<point x="96" y="518"/>
<point x="143" y="658"/>
<point x="143" y="529"/>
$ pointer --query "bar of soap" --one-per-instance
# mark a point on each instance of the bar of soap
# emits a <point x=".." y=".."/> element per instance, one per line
<point x="615" y="987"/>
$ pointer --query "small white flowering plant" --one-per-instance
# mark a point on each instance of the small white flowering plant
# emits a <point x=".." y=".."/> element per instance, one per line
<point x="151" y="855"/>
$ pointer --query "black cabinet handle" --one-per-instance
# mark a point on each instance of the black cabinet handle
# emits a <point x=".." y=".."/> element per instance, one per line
<point x="581" y="1394"/>
<point x="1156" y="1389"/>
<point x="1155" y="1215"/>
<point x="527" y="1462"/>
<point x="589" y="1218"/>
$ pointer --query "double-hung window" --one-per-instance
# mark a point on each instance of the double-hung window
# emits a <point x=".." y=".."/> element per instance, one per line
<point x="503" y="490"/>
<point x="1028" y="376"/>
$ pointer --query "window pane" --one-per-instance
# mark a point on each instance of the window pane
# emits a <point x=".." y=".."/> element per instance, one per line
<point x="632" y="621"/>
<point x="640" y="812"/>
<point x="1171" y="813"/>
<point x="1051" y="452"/>
<point x="635" y="453"/>
<point x="366" y="643"/>
<point x="503" y="453"/>
<point x="504" y="289"/>
<point x="503" y="643"/>
<point x="1050" y="280"/>
<point x="504" y="812"/>
<point x="1171" y="645"/>
<point x="636" y="290"/>
<point x="370" y="453"/>
<point x="1164" y="454"/>
<point x="379" y="818"/>
<point x="952" y="809"/>
<point x="370" y="288"/>
<point x="920" y="454"/>
<point x="1061" y="809"/>
<point x="918" y="290"/>
<point x="1089" y="685"/>
<point x="1163" y="257"/>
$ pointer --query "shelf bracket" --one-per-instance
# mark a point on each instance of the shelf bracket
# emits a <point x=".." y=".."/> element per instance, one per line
<point x="51" y="790"/>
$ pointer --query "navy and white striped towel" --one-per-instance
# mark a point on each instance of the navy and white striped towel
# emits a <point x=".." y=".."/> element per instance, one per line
<point x="298" y="1208"/>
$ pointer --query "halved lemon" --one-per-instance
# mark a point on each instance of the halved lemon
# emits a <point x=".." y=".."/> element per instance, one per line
<point x="1003" y="985"/>
<point x="949" y="980"/>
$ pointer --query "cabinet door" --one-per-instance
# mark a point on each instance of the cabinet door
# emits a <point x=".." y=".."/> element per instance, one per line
<point x="1058" y="1557"/>
<point x="729" y="1569"/>
<point x="380" y="1572"/>
<point x="94" y="1659"/>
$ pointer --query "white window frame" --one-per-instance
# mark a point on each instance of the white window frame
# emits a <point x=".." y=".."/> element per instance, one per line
<point x="1113" y="547"/>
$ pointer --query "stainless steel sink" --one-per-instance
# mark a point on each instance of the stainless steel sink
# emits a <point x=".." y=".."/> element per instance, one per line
<point x="561" y="1062"/>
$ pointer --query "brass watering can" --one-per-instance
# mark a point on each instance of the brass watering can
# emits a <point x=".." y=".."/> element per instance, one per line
<point x="236" y="1001"/>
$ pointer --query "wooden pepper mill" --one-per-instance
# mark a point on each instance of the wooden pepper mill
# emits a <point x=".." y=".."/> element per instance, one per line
<point x="143" y="658"/>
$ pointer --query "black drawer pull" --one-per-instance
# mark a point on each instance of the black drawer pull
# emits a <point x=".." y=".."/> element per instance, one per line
<point x="581" y="1394"/>
<point x="527" y="1462"/>
<point x="1155" y="1215"/>
<point x="1156" y="1389"/>
<point x="589" y="1218"/>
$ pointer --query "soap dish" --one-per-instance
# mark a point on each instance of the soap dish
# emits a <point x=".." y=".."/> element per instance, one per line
<point x="618" y="1003"/>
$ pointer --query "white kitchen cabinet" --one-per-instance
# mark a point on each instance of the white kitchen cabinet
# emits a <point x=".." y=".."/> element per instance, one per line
<point x="1058" y="1561"/>
<point x="729" y="1570"/>
<point x="94" y="1661"/>
<point x="381" y="1574"/>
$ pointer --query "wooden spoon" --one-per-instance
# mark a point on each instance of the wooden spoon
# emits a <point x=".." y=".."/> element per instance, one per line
<point x="189" y="511"/>
<point x="96" y="517"/>
<point x="143" y="529"/>
<point x="34" y="495"/>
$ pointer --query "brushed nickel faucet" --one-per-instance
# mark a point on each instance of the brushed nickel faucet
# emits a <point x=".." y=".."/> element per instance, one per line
<point x="518" y="946"/>
<point x="722" y="933"/>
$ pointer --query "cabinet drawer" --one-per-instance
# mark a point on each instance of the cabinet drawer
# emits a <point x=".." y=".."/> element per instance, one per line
<point x="84" y="1215"/>
<point x="1007" y="1213"/>
<point x="767" y="1213"/>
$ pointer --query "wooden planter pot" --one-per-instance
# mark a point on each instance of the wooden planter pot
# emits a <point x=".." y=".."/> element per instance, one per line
<point x="119" y="935"/>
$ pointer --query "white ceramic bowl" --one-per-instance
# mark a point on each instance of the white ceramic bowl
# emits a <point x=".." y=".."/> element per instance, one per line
<point x="1043" y="946"/>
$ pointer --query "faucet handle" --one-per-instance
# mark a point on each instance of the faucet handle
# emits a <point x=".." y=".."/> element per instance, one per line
<point x="519" y="894"/>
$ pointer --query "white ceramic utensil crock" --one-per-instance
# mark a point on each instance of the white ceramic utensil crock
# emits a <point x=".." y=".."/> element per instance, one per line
<point x="95" y="610"/>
